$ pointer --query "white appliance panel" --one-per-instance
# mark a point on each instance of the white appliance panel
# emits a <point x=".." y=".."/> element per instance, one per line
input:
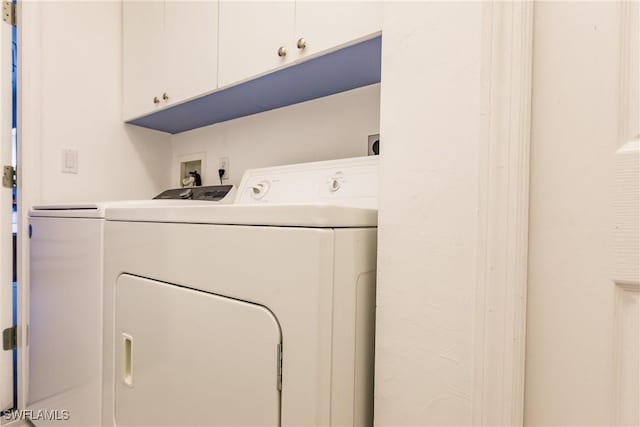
<point x="172" y="342"/>
<point x="65" y="312"/>
<point x="347" y="182"/>
<point x="287" y="269"/>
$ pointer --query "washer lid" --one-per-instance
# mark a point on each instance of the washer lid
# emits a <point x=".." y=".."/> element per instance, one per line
<point x="316" y="216"/>
<point x="98" y="210"/>
<point x="77" y="210"/>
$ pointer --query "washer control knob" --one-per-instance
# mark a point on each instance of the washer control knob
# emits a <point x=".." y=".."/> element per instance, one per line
<point x="259" y="190"/>
<point x="334" y="185"/>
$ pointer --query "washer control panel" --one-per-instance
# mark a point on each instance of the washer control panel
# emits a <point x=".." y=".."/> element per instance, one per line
<point x="344" y="182"/>
<point x="212" y="193"/>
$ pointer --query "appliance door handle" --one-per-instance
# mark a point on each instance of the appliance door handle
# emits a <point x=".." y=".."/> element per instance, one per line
<point x="127" y="362"/>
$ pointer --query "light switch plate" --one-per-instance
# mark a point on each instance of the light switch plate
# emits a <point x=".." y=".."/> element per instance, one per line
<point x="69" y="161"/>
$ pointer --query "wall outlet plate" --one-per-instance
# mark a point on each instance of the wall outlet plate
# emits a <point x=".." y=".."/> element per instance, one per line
<point x="223" y="163"/>
<point x="373" y="147"/>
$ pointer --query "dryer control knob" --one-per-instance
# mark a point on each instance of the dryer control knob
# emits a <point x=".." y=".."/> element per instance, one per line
<point x="334" y="185"/>
<point x="259" y="190"/>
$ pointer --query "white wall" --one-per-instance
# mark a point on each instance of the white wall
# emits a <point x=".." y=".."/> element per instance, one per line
<point x="81" y="108"/>
<point x="332" y="127"/>
<point x="431" y="126"/>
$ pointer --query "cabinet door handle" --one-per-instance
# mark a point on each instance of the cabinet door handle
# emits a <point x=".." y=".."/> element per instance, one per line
<point x="156" y="100"/>
<point x="165" y="96"/>
<point x="282" y="52"/>
<point x="302" y="43"/>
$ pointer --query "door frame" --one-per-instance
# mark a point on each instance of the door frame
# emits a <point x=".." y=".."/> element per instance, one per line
<point x="6" y="245"/>
<point x="29" y="173"/>
<point x="503" y="219"/>
<point x="453" y="218"/>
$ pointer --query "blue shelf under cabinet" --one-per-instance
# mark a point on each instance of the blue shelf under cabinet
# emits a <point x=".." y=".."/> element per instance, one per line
<point x="345" y="69"/>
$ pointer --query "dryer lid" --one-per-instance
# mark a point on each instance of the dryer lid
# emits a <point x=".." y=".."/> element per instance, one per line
<point x="317" y="216"/>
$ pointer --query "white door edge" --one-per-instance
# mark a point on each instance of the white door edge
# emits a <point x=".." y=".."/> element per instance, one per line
<point x="6" y="196"/>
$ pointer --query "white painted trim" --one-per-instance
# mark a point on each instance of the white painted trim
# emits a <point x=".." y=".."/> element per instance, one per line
<point x="503" y="217"/>
<point x="629" y="22"/>
<point x="29" y="166"/>
<point x="623" y="402"/>
<point x="626" y="275"/>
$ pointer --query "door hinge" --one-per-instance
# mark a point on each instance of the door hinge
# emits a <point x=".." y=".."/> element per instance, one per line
<point x="9" y="12"/>
<point x="10" y="338"/>
<point x="279" y="369"/>
<point x="9" y="177"/>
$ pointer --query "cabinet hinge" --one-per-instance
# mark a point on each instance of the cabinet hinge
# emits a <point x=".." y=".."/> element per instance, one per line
<point x="9" y="12"/>
<point x="10" y="338"/>
<point x="279" y="367"/>
<point x="9" y="177"/>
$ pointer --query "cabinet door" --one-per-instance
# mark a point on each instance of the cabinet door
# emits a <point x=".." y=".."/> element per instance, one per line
<point x="189" y="358"/>
<point x="327" y="24"/>
<point x="250" y="35"/>
<point x="191" y="49"/>
<point x="142" y="33"/>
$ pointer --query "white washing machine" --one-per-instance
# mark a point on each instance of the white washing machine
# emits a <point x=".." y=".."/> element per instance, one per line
<point x="66" y="304"/>
<point x="255" y="313"/>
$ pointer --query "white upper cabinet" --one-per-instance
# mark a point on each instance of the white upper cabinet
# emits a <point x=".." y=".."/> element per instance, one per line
<point x="258" y="37"/>
<point x="170" y="53"/>
<point x="176" y="50"/>
<point x="191" y="48"/>
<point x="142" y="28"/>
<point x="255" y="37"/>
<point x="323" y="25"/>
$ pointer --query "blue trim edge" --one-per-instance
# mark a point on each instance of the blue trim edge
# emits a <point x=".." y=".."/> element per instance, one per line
<point x="345" y="69"/>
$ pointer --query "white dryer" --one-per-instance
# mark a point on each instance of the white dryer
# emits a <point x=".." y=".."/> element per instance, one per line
<point x="66" y="303"/>
<point x="255" y="313"/>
